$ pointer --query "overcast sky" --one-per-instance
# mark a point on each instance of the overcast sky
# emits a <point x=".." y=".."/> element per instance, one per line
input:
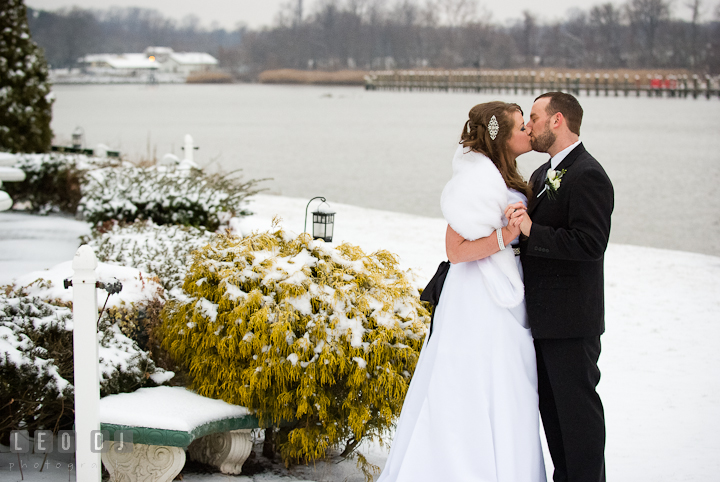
<point x="258" y="13"/>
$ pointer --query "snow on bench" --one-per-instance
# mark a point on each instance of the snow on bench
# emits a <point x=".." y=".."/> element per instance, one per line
<point x="166" y="420"/>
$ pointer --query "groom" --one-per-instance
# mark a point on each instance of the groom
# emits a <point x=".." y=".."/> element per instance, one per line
<point x="566" y="229"/>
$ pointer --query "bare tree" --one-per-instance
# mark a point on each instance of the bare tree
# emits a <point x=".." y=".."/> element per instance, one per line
<point x="605" y="22"/>
<point x="694" y="6"/>
<point x="529" y="36"/>
<point x="647" y="16"/>
<point x="456" y="13"/>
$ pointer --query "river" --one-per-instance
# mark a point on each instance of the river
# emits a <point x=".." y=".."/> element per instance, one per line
<point x="393" y="150"/>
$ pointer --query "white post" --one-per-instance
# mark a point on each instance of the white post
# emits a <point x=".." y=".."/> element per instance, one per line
<point x="189" y="148"/>
<point x="85" y="356"/>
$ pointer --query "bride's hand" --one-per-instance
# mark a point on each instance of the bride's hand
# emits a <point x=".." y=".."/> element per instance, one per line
<point x="511" y="231"/>
<point x="514" y="211"/>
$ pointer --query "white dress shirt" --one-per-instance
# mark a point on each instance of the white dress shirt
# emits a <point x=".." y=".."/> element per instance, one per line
<point x="555" y="161"/>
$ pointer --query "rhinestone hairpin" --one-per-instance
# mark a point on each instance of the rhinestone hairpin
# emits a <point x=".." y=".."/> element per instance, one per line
<point x="493" y="127"/>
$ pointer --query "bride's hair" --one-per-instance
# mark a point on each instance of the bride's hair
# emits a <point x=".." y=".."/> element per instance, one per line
<point x="476" y="137"/>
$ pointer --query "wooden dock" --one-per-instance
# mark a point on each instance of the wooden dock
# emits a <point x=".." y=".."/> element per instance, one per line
<point x="531" y="82"/>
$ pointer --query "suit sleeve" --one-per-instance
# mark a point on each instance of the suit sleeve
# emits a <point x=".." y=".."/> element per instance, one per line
<point x="586" y="237"/>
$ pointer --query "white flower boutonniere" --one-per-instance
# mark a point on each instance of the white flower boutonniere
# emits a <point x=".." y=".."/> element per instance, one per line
<point x="553" y="182"/>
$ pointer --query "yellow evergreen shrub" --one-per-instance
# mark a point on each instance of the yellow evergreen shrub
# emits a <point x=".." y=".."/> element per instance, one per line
<point x="319" y="340"/>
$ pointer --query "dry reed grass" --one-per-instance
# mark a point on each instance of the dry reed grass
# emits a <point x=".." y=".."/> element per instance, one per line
<point x="293" y="76"/>
<point x="213" y="77"/>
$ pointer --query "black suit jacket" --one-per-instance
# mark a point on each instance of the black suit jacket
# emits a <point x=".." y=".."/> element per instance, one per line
<point x="563" y="256"/>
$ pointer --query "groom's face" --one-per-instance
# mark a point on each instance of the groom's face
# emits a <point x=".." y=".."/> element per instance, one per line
<point x="541" y="135"/>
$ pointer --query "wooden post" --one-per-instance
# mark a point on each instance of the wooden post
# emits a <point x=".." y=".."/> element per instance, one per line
<point x="587" y="84"/>
<point x="597" y="85"/>
<point x="615" y="83"/>
<point x="708" y="87"/>
<point x="637" y="85"/>
<point x="696" y="87"/>
<point x="626" y="85"/>
<point x="85" y="357"/>
<point x="577" y="84"/>
<point x="606" y="80"/>
<point x="649" y="91"/>
<point x="532" y="82"/>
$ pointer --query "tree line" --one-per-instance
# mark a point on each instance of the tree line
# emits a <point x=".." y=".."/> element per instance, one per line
<point x="376" y="34"/>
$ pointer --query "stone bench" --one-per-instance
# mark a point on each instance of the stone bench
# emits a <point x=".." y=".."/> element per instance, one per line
<point x="164" y="421"/>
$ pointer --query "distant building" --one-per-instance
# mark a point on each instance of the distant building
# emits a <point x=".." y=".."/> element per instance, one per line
<point x="117" y="63"/>
<point x="160" y="59"/>
<point x="187" y="62"/>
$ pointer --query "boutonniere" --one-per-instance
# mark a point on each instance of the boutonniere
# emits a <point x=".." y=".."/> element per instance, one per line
<point x="552" y="182"/>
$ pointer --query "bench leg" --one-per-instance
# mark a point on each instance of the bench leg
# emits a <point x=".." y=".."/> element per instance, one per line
<point x="145" y="463"/>
<point x="227" y="451"/>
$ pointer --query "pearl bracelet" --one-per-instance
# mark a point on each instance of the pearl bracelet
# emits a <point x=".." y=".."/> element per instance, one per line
<point x="501" y="243"/>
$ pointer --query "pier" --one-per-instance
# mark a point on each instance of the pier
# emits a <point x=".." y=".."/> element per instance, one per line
<point x="532" y="82"/>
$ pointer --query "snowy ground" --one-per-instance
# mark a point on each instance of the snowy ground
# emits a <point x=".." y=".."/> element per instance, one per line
<point x="661" y="351"/>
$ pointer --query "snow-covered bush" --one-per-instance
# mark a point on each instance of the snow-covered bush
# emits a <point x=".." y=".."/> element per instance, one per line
<point x="25" y="97"/>
<point x="191" y="198"/>
<point x="36" y="361"/>
<point x="135" y="310"/>
<point x="323" y="339"/>
<point x="53" y="182"/>
<point x="159" y="250"/>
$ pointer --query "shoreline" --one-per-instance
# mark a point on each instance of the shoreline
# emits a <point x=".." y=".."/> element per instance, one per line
<point x="418" y="240"/>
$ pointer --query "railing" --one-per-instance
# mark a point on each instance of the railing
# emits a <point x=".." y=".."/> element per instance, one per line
<point x="531" y="82"/>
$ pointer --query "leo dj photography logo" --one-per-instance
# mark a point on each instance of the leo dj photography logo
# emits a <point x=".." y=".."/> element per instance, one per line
<point x="43" y="441"/>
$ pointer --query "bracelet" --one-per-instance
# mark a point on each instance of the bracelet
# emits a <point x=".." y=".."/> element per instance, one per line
<point x="501" y="243"/>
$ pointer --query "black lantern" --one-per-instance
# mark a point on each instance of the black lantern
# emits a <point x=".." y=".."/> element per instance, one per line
<point x="323" y="220"/>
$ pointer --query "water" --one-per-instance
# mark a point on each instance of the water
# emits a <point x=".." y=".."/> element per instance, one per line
<point x="393" y="150"/>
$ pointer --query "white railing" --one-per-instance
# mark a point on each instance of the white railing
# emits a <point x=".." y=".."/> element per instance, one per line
<point x="88" y="439"/>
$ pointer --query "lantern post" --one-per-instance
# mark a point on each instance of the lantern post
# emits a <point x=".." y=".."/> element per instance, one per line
<point x="323" y="221"/>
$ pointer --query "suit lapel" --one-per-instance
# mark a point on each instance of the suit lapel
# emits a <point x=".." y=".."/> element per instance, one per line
<point x="571" y="157"/>
<point x="539" y="184"/>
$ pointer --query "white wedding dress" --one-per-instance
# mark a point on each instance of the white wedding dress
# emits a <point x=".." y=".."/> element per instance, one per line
<point x="471" y="411"/>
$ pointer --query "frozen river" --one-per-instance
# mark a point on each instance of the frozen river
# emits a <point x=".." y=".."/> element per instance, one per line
<point x="392" y="150"/>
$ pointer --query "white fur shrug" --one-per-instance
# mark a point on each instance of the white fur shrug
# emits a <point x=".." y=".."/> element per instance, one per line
<point x="473" y="203"/>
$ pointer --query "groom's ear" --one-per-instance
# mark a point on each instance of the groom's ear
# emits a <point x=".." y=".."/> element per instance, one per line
<point x="559" y="119"/>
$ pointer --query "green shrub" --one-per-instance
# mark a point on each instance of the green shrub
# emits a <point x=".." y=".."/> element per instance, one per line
<point x="53" y="182"/>
<point x="163" y="251"/>
<point x="25" y="97"/>
<point x="36" y="363"/>
<point x="191" y="198"/>
<point x="319" y="340"/>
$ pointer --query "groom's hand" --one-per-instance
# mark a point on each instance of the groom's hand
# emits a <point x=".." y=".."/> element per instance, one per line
<point x="517" y="216"/>
<point x="525" y="223"/>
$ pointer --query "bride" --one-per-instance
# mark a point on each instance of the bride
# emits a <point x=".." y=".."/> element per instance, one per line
<point x="471" y="411"/>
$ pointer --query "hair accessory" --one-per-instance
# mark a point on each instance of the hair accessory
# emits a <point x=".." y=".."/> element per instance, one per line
<point x="493" y="127"/>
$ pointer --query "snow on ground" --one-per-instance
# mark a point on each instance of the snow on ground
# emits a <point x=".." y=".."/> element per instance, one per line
<point x="661" y="352"/>
<point x="29" y="243"/>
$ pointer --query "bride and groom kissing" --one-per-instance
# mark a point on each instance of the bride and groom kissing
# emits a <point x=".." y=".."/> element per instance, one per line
<point x="517" y="323"/>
